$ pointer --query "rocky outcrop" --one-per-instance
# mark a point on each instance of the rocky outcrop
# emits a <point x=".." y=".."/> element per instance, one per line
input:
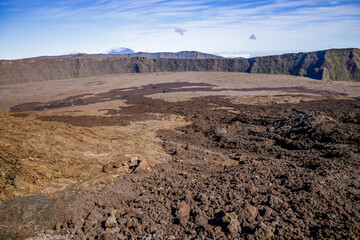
<point x="329" y="65"/>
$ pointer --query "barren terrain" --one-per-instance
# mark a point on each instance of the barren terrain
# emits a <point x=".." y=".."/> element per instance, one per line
<point x="180" y="156"/>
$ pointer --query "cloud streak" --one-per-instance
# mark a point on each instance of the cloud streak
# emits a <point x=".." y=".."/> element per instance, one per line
<point x="283" y="14"/>
<point x="222" y="24"/>
<point x="180" y="31"/>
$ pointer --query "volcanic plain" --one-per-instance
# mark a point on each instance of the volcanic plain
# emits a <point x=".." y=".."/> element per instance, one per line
<point x="180" y="155"/>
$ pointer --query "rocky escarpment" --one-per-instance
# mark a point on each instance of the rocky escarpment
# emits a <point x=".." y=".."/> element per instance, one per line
<point x="329" y="65"/>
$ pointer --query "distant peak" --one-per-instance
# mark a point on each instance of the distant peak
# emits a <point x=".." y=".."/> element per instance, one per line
<point x="120" y="50"/>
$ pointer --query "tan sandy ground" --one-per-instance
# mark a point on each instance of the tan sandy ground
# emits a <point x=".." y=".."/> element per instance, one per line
<point x="44" y="157"/>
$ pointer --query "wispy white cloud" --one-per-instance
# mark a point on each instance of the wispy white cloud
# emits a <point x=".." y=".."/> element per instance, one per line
<point x="234" y="55"/>
<point x="225" y="26"/>
<point x="202" y="13"/>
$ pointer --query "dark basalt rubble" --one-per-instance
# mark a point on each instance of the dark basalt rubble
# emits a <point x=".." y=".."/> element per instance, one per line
<point x="278" y="171"/>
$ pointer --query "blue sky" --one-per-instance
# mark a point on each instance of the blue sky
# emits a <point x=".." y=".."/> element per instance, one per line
<point x="42" y="27"/>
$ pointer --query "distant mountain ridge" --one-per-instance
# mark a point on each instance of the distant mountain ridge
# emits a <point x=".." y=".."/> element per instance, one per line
<point x="328" y="65"/>
<point x="171" y="55"/>
<point x="125" y="53"/>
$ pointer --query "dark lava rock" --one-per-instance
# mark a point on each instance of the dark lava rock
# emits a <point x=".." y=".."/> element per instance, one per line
<point x="183" y="213"/>
<point x="264" y="231"/>
<point x="233" y="225"/>
<point x="200" y="219"/>
<point x="279" y="172"/>
<point x="248" y="213"/>
<point x="33" y="213"/>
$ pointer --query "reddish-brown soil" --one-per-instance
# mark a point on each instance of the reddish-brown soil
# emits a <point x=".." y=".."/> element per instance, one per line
<point x="286" y="167"/>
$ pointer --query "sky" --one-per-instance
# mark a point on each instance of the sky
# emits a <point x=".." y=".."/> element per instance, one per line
<point x="247" y="28"/>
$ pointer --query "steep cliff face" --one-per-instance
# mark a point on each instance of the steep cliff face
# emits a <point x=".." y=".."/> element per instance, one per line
<point x="342" y="65"/>
<point x="301" y="64"/>
<point x="329" y="65"/>
<point x="29" y="70"/>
